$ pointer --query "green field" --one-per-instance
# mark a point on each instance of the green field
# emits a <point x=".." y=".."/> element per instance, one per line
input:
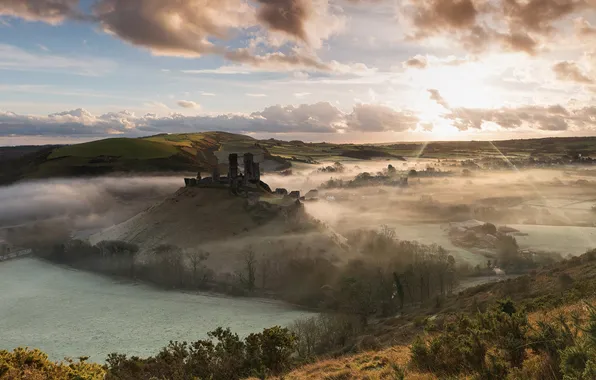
<point x="118" y="147"/>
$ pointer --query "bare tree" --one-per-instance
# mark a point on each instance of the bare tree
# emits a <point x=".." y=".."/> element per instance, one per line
<point x="200" y="272"/>
<point x="250" y="269"/>
<point x="266" y="269"/>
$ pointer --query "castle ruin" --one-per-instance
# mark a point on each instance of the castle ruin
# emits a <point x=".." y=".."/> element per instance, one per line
<point x="249" y="180"/>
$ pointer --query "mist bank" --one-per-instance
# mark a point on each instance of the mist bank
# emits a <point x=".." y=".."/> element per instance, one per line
<point x="66" y="206"/>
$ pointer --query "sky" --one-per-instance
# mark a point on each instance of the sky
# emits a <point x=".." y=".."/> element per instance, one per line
<point x="316" y="70"/>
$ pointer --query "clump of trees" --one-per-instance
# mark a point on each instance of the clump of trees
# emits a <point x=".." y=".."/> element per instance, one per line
<point x="389" y="276"/>
<point x="337" y="167"/>
<point x="166" y="265"/>
<point x="224" y="356"/>
<point x="324" y="334"/>
<point x="502" y="344"/>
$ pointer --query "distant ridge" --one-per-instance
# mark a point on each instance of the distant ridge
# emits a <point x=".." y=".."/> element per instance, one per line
<point x="192" y="152"/>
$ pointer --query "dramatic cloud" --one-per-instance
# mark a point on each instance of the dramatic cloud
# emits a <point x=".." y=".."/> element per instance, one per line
<point x="49" y="11"/>
<point x="288" y="16"/>
<point x="188" y="104"/>
<point x="538" y="15"/>
<point x="172" y="27"/>
<point x="432" y="16"/>
<point x="570" y="71"/>
<point x="477" y="24"/>
<point x="192" y="28"/>
<point x="519" y="42"/>
<point x="379" y="118"/>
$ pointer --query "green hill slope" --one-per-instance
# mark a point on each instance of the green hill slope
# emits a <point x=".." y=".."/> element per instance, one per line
<point x="119" y="147"/>
<point x="160" y="153"/>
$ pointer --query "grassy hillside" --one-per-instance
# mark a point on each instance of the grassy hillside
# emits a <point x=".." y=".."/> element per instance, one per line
<point x="160" y="153"/>
<point x="119" y="147"/>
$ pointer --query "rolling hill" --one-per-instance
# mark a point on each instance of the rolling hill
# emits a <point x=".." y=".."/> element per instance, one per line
<point x="155" y="154"/>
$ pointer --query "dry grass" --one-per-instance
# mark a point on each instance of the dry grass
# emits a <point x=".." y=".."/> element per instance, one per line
<point x="579" y="308"/>
<point x="368" y="365"/>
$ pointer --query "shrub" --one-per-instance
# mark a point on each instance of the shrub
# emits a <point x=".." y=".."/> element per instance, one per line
<point x="221" y="357"/>
<point x="494" y="344"/>
<point x="23" y="363"/>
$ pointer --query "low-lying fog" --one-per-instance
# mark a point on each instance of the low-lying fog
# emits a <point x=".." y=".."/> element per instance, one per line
<point x="551" y="208"/>
<point x="80" y="204"/>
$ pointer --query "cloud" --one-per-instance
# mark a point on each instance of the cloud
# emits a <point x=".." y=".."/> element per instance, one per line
<point x="432" y="16"/>
<point x="426" y="61"/>
<point x="188" y="27"/>
<point x="192" y="28"/>
<point x="583" y="28"/>
<point x="288" y="16"/>
<point x="188" y="104"/>
<point x="417" y="62"/>
<point x="301" y="94"/>
<point x="49" y="11"/>
<point x="15" y="58"/>
<point x="252" y="95"/>
<point x="519" y="42"/>
<point x="512" y="25"/>
<point x="278" y="60"/>
<point x="570" y="71"/>
<point x="322" y="117"/>
<point x="223" y="70"/>
<point x="175" y="27"/>
<point x="545" y="118"/>
<point x="380" y="118"/>
<point x="436" y="96"/>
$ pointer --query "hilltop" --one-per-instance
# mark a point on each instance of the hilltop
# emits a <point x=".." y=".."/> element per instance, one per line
<point x="155" y="154"/>
<point x="223" y="224"/>
<point x="192" y="152"/>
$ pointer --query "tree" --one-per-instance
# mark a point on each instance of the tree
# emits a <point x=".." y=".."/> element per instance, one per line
<point x="170" y="267"/>
<point x="399" y="290"/>
<point x="266" y="269"/>
<point x="248" y="277"/>
<point x="119" y="253"/>
<point x="200" y="274"/>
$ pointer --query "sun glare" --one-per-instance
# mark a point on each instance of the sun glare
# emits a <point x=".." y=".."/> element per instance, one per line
<point x="461" y="86"/>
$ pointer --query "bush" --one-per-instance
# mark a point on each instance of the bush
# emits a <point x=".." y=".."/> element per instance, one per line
<point x="23" y="363"/>
<point x="494" y="345"/>
<point x="323" y="334"/>
<point x="221" y="357"/>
